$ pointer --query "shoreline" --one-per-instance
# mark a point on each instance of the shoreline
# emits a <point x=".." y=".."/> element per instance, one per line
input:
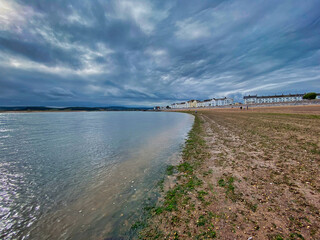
<point x="180" y="178"/>
<point x="244" y="175"/>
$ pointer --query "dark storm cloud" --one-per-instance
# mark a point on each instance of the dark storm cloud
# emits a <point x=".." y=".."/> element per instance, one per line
<point x="155" y="52"/>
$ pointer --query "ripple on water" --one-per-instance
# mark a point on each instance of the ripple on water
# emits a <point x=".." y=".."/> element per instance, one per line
<point x="82" y="175"/>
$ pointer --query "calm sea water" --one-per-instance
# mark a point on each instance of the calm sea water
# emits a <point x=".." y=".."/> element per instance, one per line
<point x="82" y="175"/>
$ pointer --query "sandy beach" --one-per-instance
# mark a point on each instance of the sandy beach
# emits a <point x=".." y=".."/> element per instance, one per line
<point x="245" y="174"/>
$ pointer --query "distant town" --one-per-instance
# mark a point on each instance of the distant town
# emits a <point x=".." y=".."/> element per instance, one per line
<point x="248" y="100"/>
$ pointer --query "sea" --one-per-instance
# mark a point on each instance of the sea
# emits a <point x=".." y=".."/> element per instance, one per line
<point x="83" y="175"/>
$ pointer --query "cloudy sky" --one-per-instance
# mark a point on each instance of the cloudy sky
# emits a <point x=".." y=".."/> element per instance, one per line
<point x="145" y="53"/>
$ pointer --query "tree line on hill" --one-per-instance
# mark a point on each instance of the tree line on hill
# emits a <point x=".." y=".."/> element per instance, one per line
<point x="56" y="109"/>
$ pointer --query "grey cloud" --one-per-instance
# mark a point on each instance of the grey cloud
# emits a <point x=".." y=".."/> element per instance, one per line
<point x="145" y="52"/>
<point x="60" y="92"/>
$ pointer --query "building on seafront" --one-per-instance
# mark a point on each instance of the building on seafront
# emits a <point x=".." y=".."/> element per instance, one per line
<point x="223" y="101"/>
<point x="205" y="103"/>
<point x="253" y="99"/>
<point x="250" y="99"/>
<point x="179" y="105"/>
<point x="192" y="103"/>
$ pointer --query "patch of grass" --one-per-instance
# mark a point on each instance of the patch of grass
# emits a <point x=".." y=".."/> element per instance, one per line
<point x="294" y="236"/>
<point x="201" y="195"/>
<point x="230" y="187"/>
<point x="210" y="233"/>
<point x="195" y="145"/>
<point x="252" y="206"/>
<point x="186" y="200"/>
<point x="311" y="147"/>
<point x="192" y="183"/>
<point x="149" y="208"/>
<point x="170" y="170"/>
<point x="137" y="225"/>
<point x="154" y="233"/>
<point x="278" y="237"/>
<point x="158" y="210"/>
<point x="171" y="200"/>
<point x="221" y="182"/>
<point x="211" y="187"/>
<point x="207" y="173"/>
<point x="207" y="235"/>
<point x="175" y="236"/>
<point x="160" y="184"/>
<point x="228" y="184"/>
<point x="185" y="167"/>
<point x="175" y="219"/>
<point x="202" y="221"/>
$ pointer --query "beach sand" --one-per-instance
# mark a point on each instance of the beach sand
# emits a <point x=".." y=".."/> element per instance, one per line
<point x="246" y="174"/>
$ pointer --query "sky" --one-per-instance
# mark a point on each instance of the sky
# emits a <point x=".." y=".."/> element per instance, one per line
<point x="146" y="53"/>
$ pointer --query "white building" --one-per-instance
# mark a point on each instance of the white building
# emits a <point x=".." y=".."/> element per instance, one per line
<point x="192" y="103"/>
<point x="223" y="101"/>
<point x="250" y="99"/>
<point x="205" y="103"/>
<point x="201" y="104"/>
<point x="275" y="98"/>
<point x="215" y="102"/>
<point x="179" y="105"/>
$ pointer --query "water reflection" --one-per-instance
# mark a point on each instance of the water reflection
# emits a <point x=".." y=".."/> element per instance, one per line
<point x="81" y="175"/>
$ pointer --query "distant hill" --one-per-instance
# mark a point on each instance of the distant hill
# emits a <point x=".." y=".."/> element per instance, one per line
<point x="40" y="108"/>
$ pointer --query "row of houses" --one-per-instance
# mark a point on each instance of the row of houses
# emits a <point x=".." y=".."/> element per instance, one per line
<point x="250" y="99"/>
<point x="206" y="103"/>
<point x="275" y="98"/>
